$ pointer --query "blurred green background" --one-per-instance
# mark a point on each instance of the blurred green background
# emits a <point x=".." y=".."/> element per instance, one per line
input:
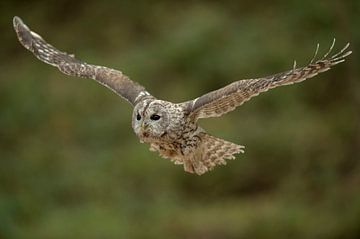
<point x="71" y="167"/>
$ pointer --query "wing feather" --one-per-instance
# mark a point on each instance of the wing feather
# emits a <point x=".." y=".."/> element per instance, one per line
<point x="68" y="64"/>
<point x="226" y="99"/>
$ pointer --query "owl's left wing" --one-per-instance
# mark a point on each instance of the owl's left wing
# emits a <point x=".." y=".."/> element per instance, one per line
<point x="226" y="99"/>
<point x="68" y="64"/>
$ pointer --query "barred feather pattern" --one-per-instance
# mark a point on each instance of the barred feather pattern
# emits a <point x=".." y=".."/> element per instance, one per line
<point x="226" y="99"/>
<point x="169" y="128"/>
<point x="211" y="152"/>
<point x="67" y="63"/>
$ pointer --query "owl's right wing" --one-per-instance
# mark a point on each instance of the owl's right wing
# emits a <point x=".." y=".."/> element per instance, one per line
<point x="226" y="99"/>
<point x="68" y="64"/>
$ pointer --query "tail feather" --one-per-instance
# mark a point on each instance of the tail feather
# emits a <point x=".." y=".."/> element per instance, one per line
<point x="212" y="152"/>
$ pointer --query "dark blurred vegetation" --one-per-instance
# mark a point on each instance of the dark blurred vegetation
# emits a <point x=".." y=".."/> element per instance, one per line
<point x="71" y="167"/>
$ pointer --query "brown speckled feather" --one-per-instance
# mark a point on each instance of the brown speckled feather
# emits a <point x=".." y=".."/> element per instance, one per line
<point x="226" y="99"/>
<point x="169" y="128"/>
<point x="213" y="151"/>
<point x="68" y="64"/>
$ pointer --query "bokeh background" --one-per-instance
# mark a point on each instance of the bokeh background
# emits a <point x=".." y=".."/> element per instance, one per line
<point x="71" y="167"/>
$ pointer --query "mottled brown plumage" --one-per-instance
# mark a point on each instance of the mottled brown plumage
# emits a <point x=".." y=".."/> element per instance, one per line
<point x="169" y="128"/>
<point x="226" y="99"/>
<point x="68" y="64"/>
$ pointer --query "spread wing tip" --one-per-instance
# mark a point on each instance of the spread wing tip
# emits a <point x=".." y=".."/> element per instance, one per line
<point x="341" y="55"/>
<point x="23" y="32"/>
<point x="17" y="21"/>
<point x="334" y="59"/>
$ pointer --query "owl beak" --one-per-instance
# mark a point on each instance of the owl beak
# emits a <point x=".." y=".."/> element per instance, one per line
<point x="144" y="132"/>
<point x="144" y="126"/>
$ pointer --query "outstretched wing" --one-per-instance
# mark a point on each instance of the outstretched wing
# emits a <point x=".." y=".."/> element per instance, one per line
<point x="68" y="64"/>
<point x="226" y="99"/>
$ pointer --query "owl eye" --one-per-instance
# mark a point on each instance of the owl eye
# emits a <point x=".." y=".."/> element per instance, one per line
<point x="138" y="117"/>
<point x="155" y="117"/>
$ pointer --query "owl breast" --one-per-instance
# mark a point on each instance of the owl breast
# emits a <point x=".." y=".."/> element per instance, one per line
<point x="171" y="135"/>
<point x="175" y="146"/>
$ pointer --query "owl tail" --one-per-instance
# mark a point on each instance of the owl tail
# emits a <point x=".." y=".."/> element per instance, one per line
<point x="212" y="151"/>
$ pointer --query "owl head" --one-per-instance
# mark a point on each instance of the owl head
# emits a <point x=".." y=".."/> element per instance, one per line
<point x="150" y="119"/>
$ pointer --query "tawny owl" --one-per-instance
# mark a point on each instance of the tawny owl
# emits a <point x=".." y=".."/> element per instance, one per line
<point x="169" y="128"/>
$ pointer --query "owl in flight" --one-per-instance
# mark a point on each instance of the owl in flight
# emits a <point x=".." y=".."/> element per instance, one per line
<point x="169" y="128"/>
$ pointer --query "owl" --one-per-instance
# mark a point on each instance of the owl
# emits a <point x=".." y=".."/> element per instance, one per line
<point x="169" y="128"/>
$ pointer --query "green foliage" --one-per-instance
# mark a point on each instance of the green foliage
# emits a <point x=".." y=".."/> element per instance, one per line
<point x="71" y="167"/>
